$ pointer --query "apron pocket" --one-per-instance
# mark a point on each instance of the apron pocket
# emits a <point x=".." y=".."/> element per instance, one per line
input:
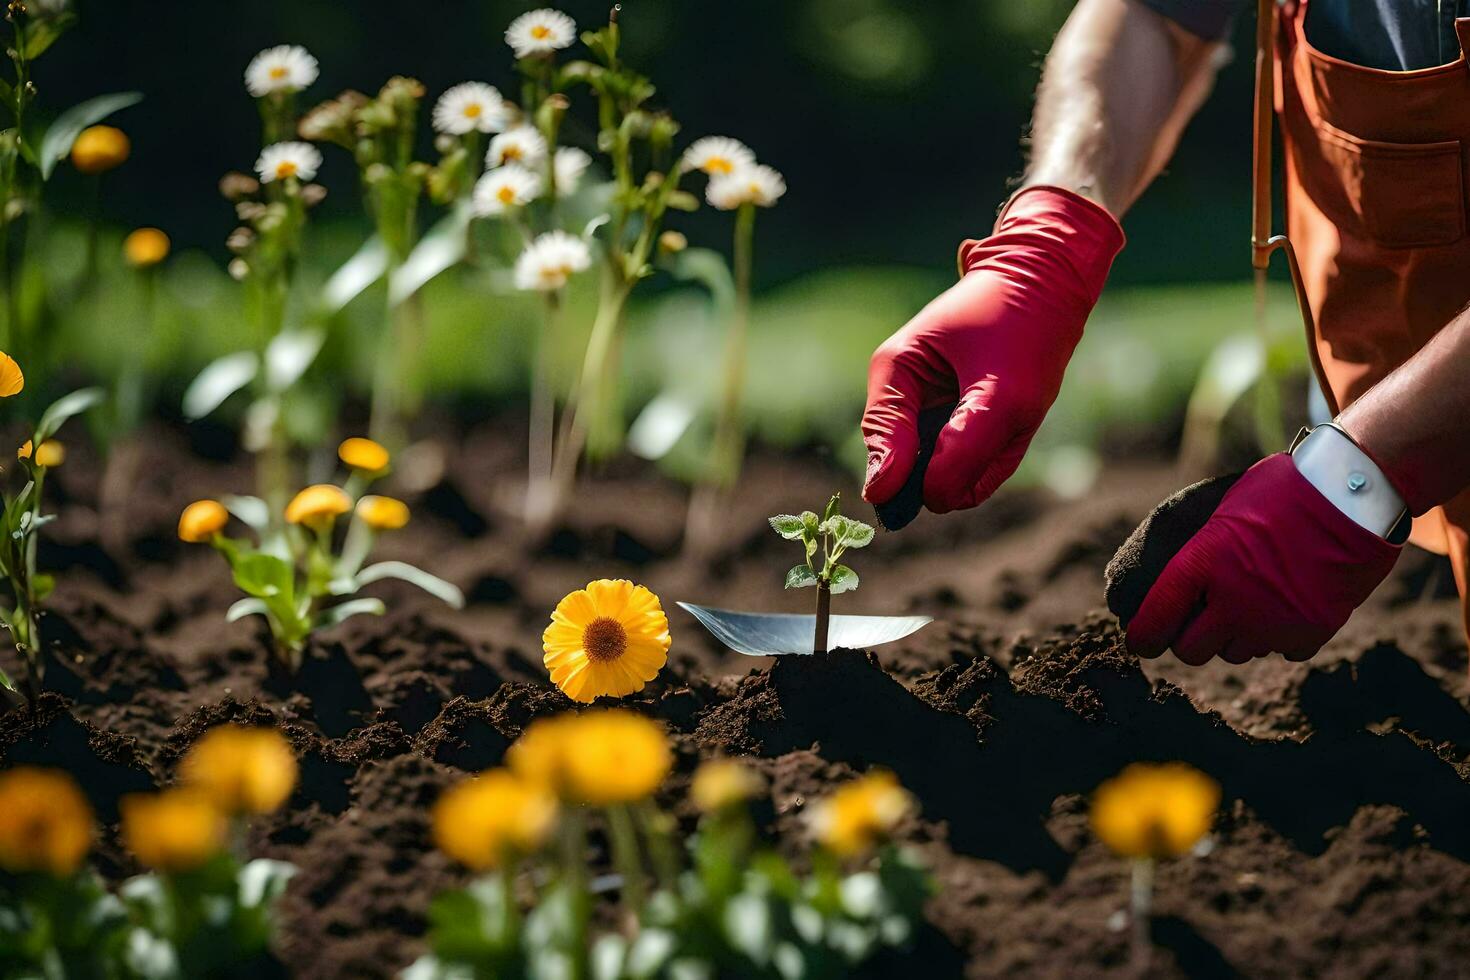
<point x="1406" y="195"/>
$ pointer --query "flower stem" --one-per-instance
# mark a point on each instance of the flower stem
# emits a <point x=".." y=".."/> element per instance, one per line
<point x="1140" y="912"/>
<point x="627" y="860"/>
<point x="541" y="436"/>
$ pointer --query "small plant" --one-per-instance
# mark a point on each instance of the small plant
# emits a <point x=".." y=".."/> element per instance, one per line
<point x="22" y="520"/>
<point x="1147" y="813"/>
<point x="832" y="535"/>
<point x="295" y="574"/>
<point x="719" y="904"/>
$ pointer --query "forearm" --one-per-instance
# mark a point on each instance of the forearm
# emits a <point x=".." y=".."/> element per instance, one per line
<point x="1415" y="423"/>
<point x="1119" y="85"/>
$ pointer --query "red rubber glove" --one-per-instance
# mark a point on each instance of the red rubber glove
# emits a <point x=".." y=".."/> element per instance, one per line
<point x="1276" y="568"/>
<point x="998" y="342"/>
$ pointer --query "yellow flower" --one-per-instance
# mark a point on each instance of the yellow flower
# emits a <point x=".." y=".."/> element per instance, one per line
<point x="24" y="452"/>
<point x="45" y="822"/>
<point x="860" y="813"/>
<point x="11" y="378"/>
<point x="176" y="830"/>
<point x="722" y="783"/>
<point x="363" y="454"/>
<point x="145" y="247"/>
<point x="1154" y="810"/>
<point x="482" y="821"/>
<point x="50" y="453"/>
<point x="382" y="513"/>
<point x="201" y="520"/>
<point x="317" y="506"/>
<point x="599" y="758"/>
<point x="99" y="148"/>
<point x="609" y="638"/>
<point x="241" y="770"/>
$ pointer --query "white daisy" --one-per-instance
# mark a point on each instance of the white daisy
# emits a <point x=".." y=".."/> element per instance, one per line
<point x="540" y="32"/>
<point x="283" y="68"/>
<point x="510" y="186"/>
<point x="292" y="159"/>
<point x="759" y="185"/>
<point x="550" y="260"/>
<point x="717" y="155"/>
<point x="570" y="164"/>
<point x="520" y="144"/>
<point x="471" y="106"/>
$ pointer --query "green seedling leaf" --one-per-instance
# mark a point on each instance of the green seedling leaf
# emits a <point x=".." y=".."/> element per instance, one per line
<point x="62" y="133"/>
<point x="367" y="266"/>
<point x="843" y="579"/>
<point x="836" y="526"/>
<point x="247" y="607"/>
<point x="253" y="512"/>
<point x="858" y="535"/>
<point x="789" y="526"/>
<point x="346" y="610"/>
<point x="811" y="523"/>
<point x="263" y="576"/>
<point x="800" y="576"/>
<point x="404" y="572"/>
<point x="42" y="586"/>
<point x="220" y="379"/>
<point x="441" y="248"/>
<point x="834" y="507"/>
<point x="289" y="354"/>
<point x="64" y="408"/>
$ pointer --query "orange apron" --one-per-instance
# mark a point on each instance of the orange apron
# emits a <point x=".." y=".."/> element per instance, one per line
<point x="1377" y="169"/>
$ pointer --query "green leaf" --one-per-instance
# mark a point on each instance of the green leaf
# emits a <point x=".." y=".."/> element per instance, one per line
<point x="442" y="247"/>
<point x="843" y="579"/>
<point x="834" y="507"/>
<point x="64" y="408"/>
<point x="366" y="267"/>
<point x="247" y="607"/>
<point x="42" y="586"/>
<point x="800" y="576"/>
<point x="44" y="33"/>
<point x="253" y="512"/>
<point x="346" y="610"/>
<point x="62" y="133"/>
<point x="811" y="522"/>
<point x="220" y="379"/>
<point x="859" y="535"/>
<point x="789" y="526"/>
<point x="262" y="881"/>
<point x="263" y="576"/>
<point x="836" y="526"/>
<point x="289" y="354"/>
<point x="404" y="572"/>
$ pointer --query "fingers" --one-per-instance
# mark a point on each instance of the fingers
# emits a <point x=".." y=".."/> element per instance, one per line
<point x="1173" y="601"/>
<point x="891" y="424"/>
<point x="976" y="452"/>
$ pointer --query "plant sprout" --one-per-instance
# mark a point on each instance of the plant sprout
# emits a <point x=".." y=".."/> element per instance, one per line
<point x="832" y="535"/>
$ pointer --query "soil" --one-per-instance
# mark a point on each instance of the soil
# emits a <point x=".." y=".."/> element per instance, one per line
<point x="1343" y="845"/>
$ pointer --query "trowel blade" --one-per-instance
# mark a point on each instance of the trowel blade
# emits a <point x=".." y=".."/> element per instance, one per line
<point x="778" y="634"/>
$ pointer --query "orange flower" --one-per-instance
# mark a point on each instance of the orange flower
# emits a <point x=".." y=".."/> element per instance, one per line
<point x="242" y="770"/>
<point x="610" y="638"/>
<point x="145" y="247"/>
<point x="382" y="513"/>
<point x="11" y="378"/>
<point x="50" y="453"/>
<point x="99" y="148"/>
<point x="201" y="520"/>
<point x="45" y="821"/>
<point x="176" y="830"/>
<point x="317" y="506"/>
<point x="363" y="454"/>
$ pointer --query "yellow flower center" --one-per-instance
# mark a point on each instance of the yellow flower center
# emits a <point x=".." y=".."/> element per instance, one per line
<point x="286" y="168"/>
<point x="278" y="73"/>
<point x="513" y="152"/>
<point x="541" y="32"/>
<point x="507" y="194"/>
<point x="604" y="639"/>
<point x="472" y="111"/>
<point x="719" y="165"/>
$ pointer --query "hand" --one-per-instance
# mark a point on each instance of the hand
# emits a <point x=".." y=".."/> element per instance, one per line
<point x="1277" y="567"/>
<point x="997" y="342"/>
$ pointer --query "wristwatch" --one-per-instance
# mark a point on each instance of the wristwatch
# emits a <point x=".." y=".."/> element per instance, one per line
<point x="1329" y="460"/>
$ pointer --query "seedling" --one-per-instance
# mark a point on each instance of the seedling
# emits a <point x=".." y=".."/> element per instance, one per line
<point x="296" y="575"/>
<point x="832" y="535"/>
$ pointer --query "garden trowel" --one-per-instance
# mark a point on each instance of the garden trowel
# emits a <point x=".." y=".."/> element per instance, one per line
<point x="779" y="634"/>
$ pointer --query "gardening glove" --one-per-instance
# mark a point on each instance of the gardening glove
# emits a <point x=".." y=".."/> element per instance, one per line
<point x="1276" y="567"/>
<point x="995" y="346"/>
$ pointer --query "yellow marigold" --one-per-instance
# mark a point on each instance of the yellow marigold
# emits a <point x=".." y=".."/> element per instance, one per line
<point x="382" y="513"/>
<point x="482" y="821"/>
<point x="610" y="638"/>
<point x="721" y="783"/>
<point x="145" y="247"/>
<point x="99" y="148"/>
<point x="1154" y="810"/>
<point x="614" y="756"/>
<point x="242" y="770"/>
<point x="50" y="453"/>
<point x="541" y="751"/>
<point x="201" y="520"/>
<point x="860" y="813"/>
<point x="12" y="380"/>
<point x="176" y="830"/>
<point x="317" y="506"/>
<point x="363" y="454"/>
<point x="45" y="822"/>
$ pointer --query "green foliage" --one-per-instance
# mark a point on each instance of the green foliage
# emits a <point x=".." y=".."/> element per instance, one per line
<point x="832" y="534"/>
<point x="214" y="921"/>
<point x="62" y="133"/>
<point x="60" y="927"/>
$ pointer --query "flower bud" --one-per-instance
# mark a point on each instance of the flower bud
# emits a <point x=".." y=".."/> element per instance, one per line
<point x="313" y="194"/>
<point x="672" y="242"/>
<point x="240" y="240"/>
<point x="145" y="247"/>
<point x="98" y="149"/>
<point x="235" y="186"/>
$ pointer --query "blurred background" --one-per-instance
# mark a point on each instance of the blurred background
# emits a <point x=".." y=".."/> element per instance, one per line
<point x="897" y="123"/>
